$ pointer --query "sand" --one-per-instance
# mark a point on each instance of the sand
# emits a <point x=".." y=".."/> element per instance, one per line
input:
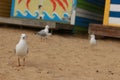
<point x="61" y="57"/>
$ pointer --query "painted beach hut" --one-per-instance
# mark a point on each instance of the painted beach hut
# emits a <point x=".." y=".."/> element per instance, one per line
<point x="111" y="21"/>
<point x="72" y="12"/>
<point x="37" y="12"/>
<point x="47" y="10"/>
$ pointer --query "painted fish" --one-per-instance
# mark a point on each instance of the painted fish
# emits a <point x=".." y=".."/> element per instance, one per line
<point x="66" y="2"/>
<point x="19" y="1"/>
<point x="61" y="4"/>
<point x="54" y="4"/>
<point x="27" y="4"/>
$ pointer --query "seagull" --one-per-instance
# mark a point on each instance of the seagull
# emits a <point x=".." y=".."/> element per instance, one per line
<point x="21" y="49"/>
<point x="92" y="39"/>
<point x="44" y="32"/>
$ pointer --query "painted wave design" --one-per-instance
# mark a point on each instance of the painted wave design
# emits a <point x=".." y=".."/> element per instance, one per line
<point x="66" y="15"/>
<point x="74" y="4"/>
<point x="54" y="17"/>
<point x="27" y="14"/>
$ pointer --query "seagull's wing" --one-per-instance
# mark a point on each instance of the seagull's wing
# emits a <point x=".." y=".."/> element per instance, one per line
<point x="42" y="33"/>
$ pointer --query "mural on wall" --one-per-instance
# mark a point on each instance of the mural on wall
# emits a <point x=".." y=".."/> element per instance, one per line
<point x="27" y="3"/>
<point x="52" y="10"/>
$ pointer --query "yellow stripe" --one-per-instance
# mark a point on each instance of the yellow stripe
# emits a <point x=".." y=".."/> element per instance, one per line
<point x="106" y="12"/>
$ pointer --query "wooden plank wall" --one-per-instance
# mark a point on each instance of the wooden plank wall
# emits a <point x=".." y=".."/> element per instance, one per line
<point x="89" y="11"/>
<point x="5" y="8"/>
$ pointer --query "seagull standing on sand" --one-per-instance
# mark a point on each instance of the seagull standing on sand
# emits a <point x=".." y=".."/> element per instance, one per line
<point x="44" y="32"/>
<point x="92" y="39"/>
<point x="21" y="49"/>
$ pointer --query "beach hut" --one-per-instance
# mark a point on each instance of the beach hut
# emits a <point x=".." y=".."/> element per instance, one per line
<point x="68" y="14"/>
<point x="111" y="21"/>
<point x="37" y="13"/>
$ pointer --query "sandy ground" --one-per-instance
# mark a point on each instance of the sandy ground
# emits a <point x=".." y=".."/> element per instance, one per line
<point x="61" y="57"/>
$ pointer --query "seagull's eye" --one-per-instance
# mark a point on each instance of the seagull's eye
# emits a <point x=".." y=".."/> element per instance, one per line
<point x="23" y="37"/>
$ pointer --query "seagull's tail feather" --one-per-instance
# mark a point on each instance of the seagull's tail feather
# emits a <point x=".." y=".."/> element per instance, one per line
<point x="49" y="34"/>
<point x="39" y="32"/>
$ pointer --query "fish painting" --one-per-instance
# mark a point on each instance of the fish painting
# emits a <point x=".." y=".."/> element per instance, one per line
<point x="62" y="3"/>
<point x="27" y="3"/>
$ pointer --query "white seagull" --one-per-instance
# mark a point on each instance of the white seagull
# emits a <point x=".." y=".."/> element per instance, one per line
<point x="21" y="49"/>
<point x="44" y="32"/>
<point x="92" y="39"/>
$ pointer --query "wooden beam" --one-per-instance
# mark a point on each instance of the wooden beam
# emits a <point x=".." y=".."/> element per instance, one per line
<point x="27" y="22"/>
<point x="103" y="30"/>
<point x="64" y="26"/>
